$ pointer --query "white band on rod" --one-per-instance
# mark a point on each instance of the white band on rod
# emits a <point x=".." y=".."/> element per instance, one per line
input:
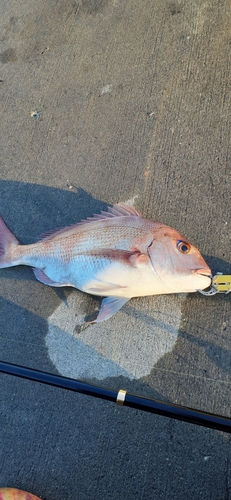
<point x="121" y="397"/>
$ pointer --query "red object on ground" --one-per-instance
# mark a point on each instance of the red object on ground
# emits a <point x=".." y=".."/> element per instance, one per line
<point x="14" y="494"/>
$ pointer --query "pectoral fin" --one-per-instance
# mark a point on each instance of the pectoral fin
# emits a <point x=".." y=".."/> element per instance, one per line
<point x="132" y="258"/>
<point x="109" y="306"/>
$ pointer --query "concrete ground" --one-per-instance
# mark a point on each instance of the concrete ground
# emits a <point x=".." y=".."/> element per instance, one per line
<point x="106" y="101"/>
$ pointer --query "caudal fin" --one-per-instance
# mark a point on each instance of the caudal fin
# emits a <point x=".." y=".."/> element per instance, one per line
<point x="7" y="242"/>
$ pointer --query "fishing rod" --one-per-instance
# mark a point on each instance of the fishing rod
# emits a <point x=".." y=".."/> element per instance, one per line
<point x="121" y="397"/>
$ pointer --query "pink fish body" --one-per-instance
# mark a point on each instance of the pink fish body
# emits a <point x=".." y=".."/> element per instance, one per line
<point x="117" y="254"/>
<point x="14" y="494"/>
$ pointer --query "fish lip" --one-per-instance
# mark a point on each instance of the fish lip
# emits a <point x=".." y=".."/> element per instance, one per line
<point x="204" y="272"/>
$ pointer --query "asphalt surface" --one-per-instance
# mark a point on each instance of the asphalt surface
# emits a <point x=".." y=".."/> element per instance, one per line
<point x="107" y="101"/>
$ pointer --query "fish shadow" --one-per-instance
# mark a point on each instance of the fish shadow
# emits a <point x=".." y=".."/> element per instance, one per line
<point x="32" y="209"/>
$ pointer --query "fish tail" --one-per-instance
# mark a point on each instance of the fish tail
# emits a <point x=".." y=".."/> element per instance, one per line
<point x="8" y="243"/>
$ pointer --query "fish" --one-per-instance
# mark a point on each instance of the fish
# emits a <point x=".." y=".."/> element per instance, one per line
<point x="117" y="254"/>
<point x="14" y="494"/>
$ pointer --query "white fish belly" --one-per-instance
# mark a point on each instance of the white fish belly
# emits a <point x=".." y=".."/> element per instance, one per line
<point x="115" y="278"/>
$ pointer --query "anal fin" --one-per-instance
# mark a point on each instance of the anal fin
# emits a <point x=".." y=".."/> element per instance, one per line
<point x="41" y="276"/>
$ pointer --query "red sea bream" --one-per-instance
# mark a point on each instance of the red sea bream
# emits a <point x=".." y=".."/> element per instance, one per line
<point x="117" y="254"/>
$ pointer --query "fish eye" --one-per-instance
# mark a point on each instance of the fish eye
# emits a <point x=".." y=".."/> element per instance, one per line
<point x="183" y="247"/>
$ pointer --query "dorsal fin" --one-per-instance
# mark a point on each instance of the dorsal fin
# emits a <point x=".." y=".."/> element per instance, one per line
<point x="121" y="209"/>
<point x="118" y="210"/>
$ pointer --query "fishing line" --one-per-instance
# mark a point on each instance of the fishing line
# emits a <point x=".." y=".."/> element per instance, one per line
<point x="192" y="376"/>
<point x="180" y="331"/>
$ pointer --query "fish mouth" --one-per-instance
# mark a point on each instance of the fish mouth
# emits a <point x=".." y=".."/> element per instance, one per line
<point x="204" y="272"/>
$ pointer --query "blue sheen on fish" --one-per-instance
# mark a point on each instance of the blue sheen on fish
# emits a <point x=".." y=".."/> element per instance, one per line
<point x="117" y="254"/>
